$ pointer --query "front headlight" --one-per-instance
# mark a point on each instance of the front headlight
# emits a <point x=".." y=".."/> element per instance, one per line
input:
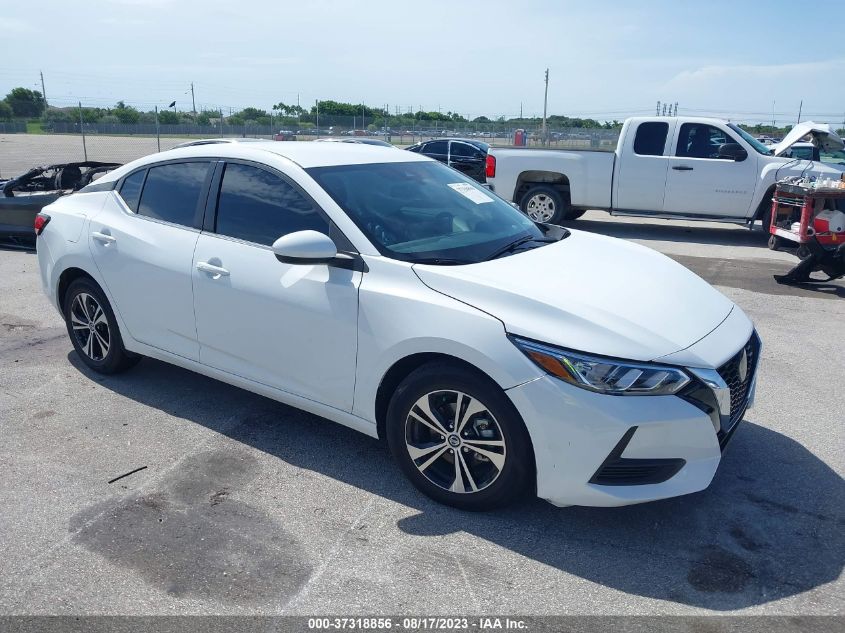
<point x="604" y="375"/>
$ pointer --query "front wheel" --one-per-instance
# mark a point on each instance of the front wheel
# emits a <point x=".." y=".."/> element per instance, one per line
<point x="459" y="439"/>
<point x="93" y="330"/>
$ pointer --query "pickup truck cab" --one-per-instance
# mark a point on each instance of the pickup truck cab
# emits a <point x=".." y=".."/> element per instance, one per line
<point x="670" y="167"/>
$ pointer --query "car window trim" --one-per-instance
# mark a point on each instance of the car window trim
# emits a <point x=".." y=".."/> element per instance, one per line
<point x="201" y="201"/>
<point x="210" y="224"/>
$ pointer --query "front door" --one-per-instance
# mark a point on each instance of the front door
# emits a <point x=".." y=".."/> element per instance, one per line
<point x="289" y="326"/>
<point x="700" y="183"/>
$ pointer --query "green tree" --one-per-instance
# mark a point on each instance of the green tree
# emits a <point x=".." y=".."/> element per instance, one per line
<point x="6" y="111"/>
<point x="125" y="114"/>
<point x="25" y="102"/>
<point x="166" y="117"/>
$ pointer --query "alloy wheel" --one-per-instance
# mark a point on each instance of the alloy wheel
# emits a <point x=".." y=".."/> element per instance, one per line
<point x="455" y="441"/>
<point x="540" y="207"/>
<point x="90" y="326"/>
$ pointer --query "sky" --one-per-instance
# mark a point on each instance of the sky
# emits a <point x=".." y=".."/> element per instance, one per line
<point x="607" y="59"/>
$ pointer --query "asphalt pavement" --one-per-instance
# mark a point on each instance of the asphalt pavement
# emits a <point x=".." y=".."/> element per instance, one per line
<point x="246" y="506"/>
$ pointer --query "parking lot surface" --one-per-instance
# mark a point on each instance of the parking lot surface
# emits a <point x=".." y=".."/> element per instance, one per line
<point x="244" y="505"/>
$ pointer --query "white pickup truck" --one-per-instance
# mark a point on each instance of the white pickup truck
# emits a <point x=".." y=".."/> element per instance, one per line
<point x="668" y="167"/>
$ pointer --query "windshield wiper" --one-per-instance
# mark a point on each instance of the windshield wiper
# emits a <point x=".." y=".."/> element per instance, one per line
<point x="441" y="261"/>
<point x="509" y="248"/>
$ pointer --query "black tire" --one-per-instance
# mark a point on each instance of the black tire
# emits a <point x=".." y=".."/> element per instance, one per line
<point x="774" y="242"/>
<point x="82" y="301"/>
<point x="495" y="487"/>
<point x="764" y="212"/>
<point x="803" y="251"/>
<point x="546" y="198"/>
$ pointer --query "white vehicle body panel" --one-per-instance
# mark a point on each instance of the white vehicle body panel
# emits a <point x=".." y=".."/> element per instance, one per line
<point x="323" y="338"/>
<point x="623" y="181"/>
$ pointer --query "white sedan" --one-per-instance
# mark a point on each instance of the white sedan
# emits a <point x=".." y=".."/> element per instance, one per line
<point x="387" y="292"/>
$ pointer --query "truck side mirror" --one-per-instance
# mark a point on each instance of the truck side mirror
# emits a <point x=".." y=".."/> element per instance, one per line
<point x="732" y="151"/>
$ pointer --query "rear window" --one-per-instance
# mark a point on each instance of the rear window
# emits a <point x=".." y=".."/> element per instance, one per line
<point x="651" y="138"/>
<point x="172" y="192"/>
<point x="130" y="190"/>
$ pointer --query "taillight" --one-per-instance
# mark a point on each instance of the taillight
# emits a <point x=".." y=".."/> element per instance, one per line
<point x="41" y="220"/>
<point x="490" y="166"/>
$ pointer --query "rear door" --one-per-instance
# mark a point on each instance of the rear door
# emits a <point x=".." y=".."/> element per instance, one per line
<point x="642" y="165"/>
<point x="143" y="245"/>
<point x="467" y="159"/>
<point x="700" y="183"/>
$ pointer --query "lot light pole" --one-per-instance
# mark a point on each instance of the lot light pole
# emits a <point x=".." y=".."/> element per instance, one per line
<point x="545" y="106"/>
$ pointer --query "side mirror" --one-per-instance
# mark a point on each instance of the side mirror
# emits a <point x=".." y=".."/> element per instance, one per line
<point x="732" y="151"/>
<point x="305" y="247"/>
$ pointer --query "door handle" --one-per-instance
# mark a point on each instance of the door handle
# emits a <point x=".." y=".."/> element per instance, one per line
<point x="212" y="269"/>
<point x="103" y="238"/>
<point x="682" y="168"/>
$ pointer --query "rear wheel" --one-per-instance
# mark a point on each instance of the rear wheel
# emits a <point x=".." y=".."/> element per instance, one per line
<point x="546" y="204"/>
<point x="93" y="329"/>
<point x="459" y="439"/>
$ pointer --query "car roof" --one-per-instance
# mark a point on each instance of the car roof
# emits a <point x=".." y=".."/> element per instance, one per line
<point x="303" y="153"/>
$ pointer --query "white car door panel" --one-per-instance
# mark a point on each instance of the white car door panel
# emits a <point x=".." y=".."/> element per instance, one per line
<point x="641" y="173"/>
<point x="146" y="262"/>
<point x="698" y="183"/>
<point x="288" y="326"/>
<point x="293" y="327"/>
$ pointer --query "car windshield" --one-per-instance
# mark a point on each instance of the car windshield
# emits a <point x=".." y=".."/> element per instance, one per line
<point x="425" y="212"/>
<point x="753" y="142"/>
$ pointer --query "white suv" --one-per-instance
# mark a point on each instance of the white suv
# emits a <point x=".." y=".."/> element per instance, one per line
<point x="387" y="292"/>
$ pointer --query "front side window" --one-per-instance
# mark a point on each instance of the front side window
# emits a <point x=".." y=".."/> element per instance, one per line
<point x="130" y="190"/>
<point x="651" y="138"/>
<point x="424" y="211"/>
<point x="258" y="206"/>
<point x="172" y="192"/>
<point x="698" y="140"/>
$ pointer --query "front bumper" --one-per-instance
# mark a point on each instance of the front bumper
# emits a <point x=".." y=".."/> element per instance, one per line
<point x="599" y="450"/>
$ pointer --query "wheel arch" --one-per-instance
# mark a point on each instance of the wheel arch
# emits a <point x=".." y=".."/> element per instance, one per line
<point x="531" y="178"/>
<point x="403" y="368"/>
<point x="66" y="278"/>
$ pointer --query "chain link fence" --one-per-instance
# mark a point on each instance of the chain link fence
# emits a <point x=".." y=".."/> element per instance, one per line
<point x="69" y="141"/>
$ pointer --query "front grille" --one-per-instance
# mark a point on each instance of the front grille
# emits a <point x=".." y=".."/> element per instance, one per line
<point x="731" y="372"/>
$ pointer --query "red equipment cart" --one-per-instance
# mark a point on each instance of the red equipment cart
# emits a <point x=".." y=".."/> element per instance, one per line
<point x="811" y="202"/>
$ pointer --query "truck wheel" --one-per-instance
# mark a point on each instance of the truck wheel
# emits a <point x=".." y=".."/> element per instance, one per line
<point x="544" y="204"/>
<point x="774" y="242"/>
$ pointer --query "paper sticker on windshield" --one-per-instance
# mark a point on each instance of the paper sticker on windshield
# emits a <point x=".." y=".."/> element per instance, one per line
<point x="468" y="191"/>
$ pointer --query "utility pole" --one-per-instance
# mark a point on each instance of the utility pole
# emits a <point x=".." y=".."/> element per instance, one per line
<point x="193" y="100"/>
<point x="363" y="123"/>
<point x="298" y="110"/>
<point x="43" y="91"/>
<point x="800" y="107"/>
<point x="773" y="113"/>
<point x="82" y="129"/>
<point x="317" y="103"/>
<point x="520" y="110"/>
<point x="545" y="106"/>
<point x="158" y="132"/>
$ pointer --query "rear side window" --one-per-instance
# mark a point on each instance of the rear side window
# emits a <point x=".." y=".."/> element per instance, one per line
<point x="435" y="147"/>
<point x="464" y="149"/>
<point x="130" y="190"/>
<point x="258" y="206"/>
<point x="651" y="138"/>
<point x="172" y="192"/>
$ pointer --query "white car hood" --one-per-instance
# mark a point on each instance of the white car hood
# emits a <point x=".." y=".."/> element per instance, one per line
<point x="591" y="293"/>
<point x="822" y="133"/>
